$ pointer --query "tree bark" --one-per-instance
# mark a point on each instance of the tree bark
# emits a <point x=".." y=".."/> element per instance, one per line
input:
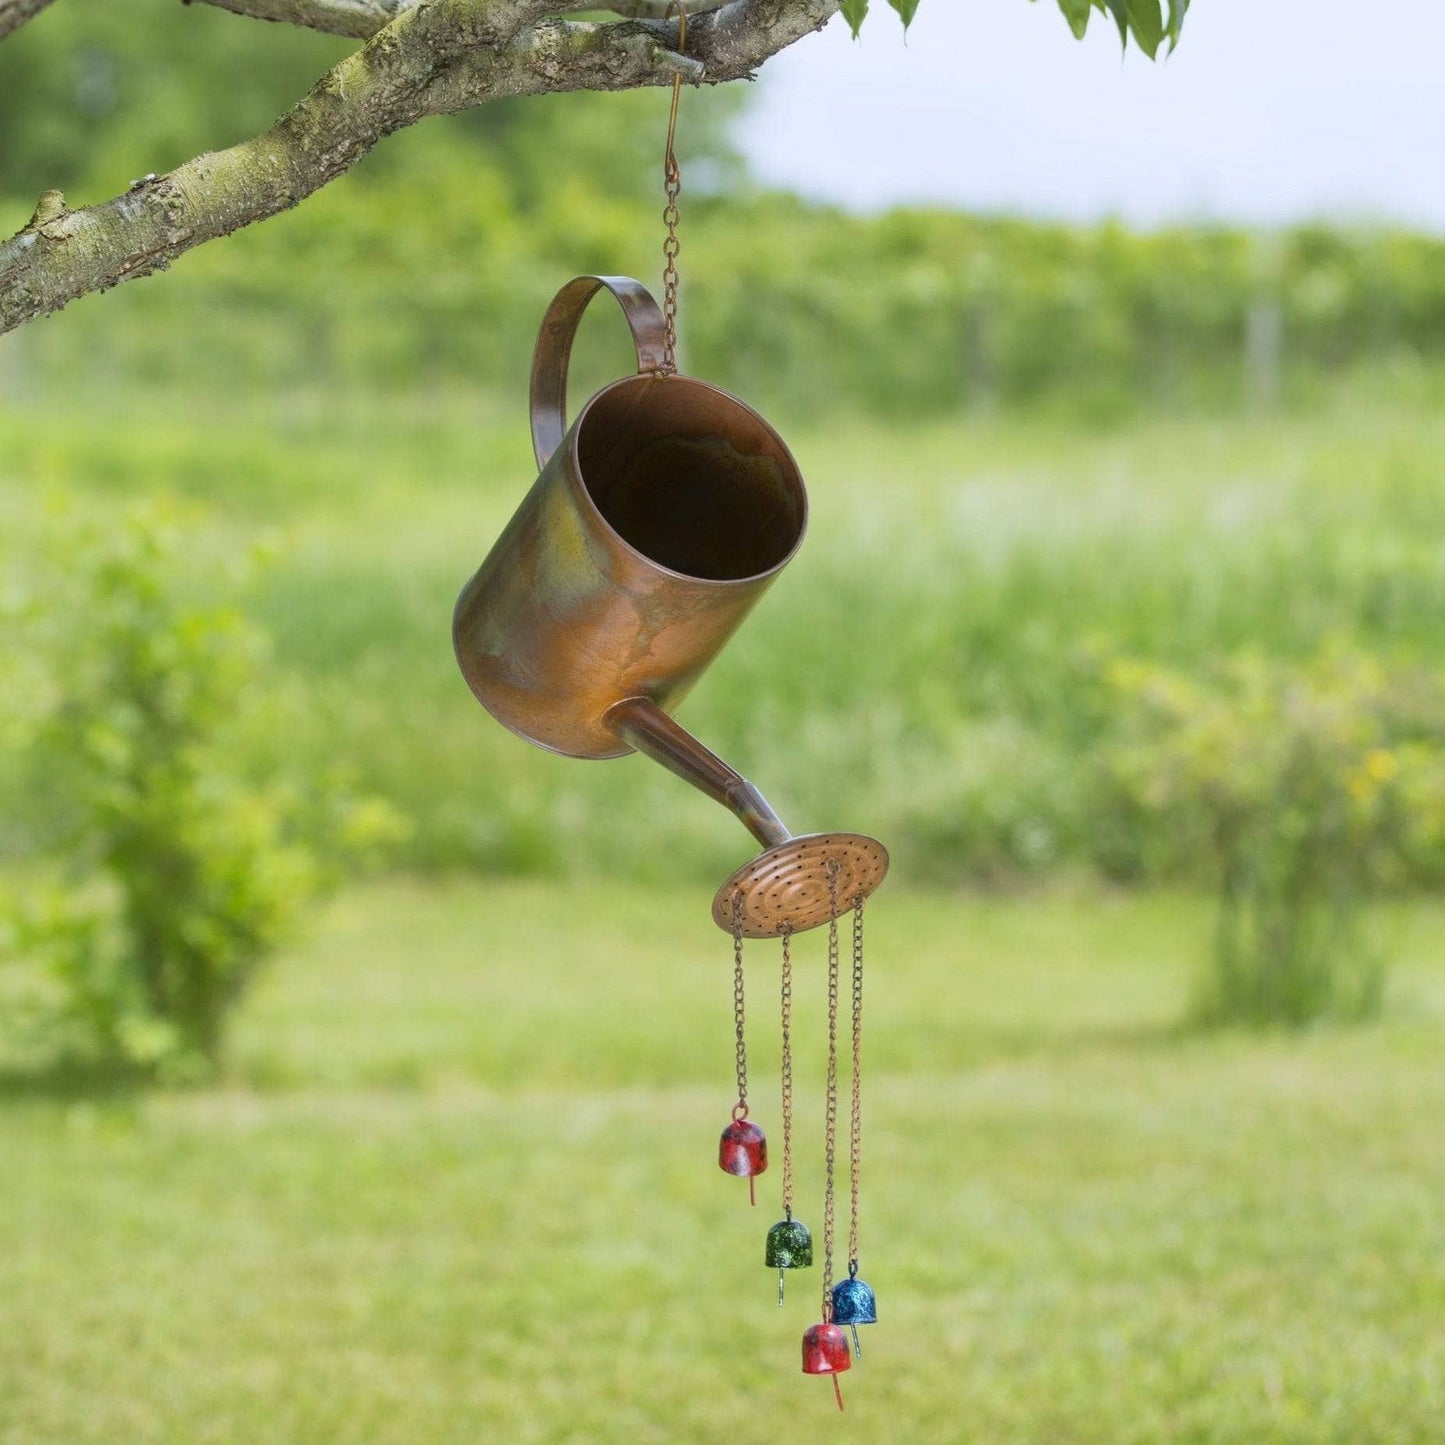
<point x="437" y="57"/>
<point x="14" y="13"/>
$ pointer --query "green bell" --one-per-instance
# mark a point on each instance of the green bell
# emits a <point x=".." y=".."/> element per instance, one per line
<point x="790" y="1246"/>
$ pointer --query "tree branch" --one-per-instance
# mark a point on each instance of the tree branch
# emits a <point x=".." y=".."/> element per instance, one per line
<point x="361" y="19"/>
<point x="733" y="40"/>
<point x="437" y="57"/>
<point x="728" y="43"/>
<point x="14" y="13"/>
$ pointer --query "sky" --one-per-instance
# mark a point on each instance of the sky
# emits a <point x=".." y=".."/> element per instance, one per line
<point x="1270" y="111"/>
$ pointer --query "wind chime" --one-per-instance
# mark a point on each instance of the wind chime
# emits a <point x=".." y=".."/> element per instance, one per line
<point x="742" y="1149"/>
<point x="659" y="517"/>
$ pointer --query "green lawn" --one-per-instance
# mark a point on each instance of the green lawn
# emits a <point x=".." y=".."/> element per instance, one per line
<point x="461" y="1188"/>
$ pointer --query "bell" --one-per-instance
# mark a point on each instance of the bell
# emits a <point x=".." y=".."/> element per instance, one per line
<point x="743" y="1151"/>
<point x="790" y="1246"/>
<point x="854" y="1305"/>
<point x="825" y="1352"/>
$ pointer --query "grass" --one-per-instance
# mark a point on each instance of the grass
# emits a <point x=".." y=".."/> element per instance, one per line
<point x="459" y="1183"/>
<point x="460" y="1186"/>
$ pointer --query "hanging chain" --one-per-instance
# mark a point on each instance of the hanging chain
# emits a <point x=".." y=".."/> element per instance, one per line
<point x="830" y="1130"/>
<point x="740" y="1109"/>
<point x="788" y="1074"/>
<point x="672" y="187"/>
<point x="670" y="248"/>
<point x="855" y="1131"/>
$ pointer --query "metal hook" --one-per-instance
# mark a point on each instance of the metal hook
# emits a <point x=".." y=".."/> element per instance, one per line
<point x="672" y="187"/>
<point x="670" y="167"/>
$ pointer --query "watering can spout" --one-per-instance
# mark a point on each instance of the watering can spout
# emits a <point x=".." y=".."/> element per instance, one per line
<point x="642" y="725"/>
<point x="795" y="883"/>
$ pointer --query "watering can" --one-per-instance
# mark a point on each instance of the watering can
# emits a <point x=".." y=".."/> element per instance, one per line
<point x="661" y="514"/>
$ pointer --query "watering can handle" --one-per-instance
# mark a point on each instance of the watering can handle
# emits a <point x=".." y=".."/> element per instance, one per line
<point x="553" y="351"/>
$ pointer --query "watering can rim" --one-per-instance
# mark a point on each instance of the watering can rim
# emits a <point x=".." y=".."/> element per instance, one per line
<point x="577" y="486"/>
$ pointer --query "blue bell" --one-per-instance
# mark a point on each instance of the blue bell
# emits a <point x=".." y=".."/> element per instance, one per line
<point x="854" y="1305"/>
<point x="790" y="1246"/>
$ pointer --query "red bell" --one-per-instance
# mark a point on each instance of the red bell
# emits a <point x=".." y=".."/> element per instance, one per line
<point x="743" y="1150"/>
<point x="825" y="1352"/>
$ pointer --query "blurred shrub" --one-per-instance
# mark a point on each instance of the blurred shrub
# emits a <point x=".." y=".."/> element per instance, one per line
<point x="176" y="877"/>
<point x="369" y="285"/>
<point x="1304" y="791"/>
<point x="431" y="264"/>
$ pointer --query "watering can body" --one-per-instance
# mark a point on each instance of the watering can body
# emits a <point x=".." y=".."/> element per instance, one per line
<point x="660" y="516"/>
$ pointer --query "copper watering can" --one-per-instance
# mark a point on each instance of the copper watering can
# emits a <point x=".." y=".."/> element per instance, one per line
<point x="661" y="515"/>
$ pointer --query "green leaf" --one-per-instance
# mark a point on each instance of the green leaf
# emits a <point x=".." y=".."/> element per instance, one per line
<point x="1119" y="9"/>
<point x="1177" y="11"/>
<point x="853" y="13"/>
<point x="1148" y="25"/>
<point x="906" y="9"/>
<point x="1076" y="12"/>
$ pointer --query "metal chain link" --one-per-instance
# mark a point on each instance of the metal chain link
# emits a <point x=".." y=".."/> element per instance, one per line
<point x="855" y="1132"/>
<point x="740" y="1109"/>
<point x="830" y="1128"/>
<point x="670" y="247"/>
<point x="672" y="187"/>
<point x="787" y="1074"/>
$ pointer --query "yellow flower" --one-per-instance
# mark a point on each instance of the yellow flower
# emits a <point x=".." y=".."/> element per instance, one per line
<point x="1380" y="765"/>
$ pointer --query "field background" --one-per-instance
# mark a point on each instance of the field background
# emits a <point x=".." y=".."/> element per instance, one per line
<point x="461" y="1186"/>
<point x="936" y="655"/>
<point x="456" y="1179"/>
